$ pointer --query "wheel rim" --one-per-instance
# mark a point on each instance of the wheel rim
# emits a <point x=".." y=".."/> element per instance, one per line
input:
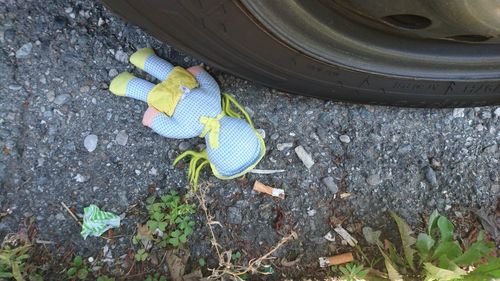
<point x="437" y="40"/>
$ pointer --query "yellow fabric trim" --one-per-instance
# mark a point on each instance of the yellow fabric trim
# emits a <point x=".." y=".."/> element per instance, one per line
<point x="165" y="95"/>
<point x="262" y="151"/>
<point x="212" y="127"/>
<point x="118" y="85"/>
<point x="139" y="58"/>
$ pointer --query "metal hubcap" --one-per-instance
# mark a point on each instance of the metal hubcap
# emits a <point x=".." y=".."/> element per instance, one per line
<point x="437" y="40"/>
<point x="476" y="21"/>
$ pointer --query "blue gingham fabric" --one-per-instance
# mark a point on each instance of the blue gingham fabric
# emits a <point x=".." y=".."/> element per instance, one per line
<point x="239" y="146"/>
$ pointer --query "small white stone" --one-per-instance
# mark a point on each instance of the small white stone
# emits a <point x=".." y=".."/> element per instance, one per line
<point x="80" y="178"/>
<point x="283" y="146"/>
<point x="121" y="138"/>
<point x="304" y="156"/>
<point x="311" y="212"/>
<point x="90" y="142"/>
<point x="458" y="112"/>
<point x="262" y="133"/>
<point x="345" y="139"/>
<point x="121" y="56"/>
<point x="100" y="22"/>
<point x="91" y="259"/>
<point x="112" y="72"/>
<point x="497" y="112"/>
<point x="24" y="51"/>
<point x="153" y="171"/>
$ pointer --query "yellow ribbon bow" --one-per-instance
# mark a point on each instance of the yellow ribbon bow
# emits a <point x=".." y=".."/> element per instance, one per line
<point x="212" y="127"/>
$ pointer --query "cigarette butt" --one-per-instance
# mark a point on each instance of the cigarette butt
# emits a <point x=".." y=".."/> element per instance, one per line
<point x="276" y="192"/>
<point x="336" y="260"/>
<point x="341" y="259"/>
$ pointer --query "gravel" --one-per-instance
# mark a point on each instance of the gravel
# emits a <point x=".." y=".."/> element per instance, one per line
<point x="121" y="138"/>
<point x="345" y="139"/>
<point x="329" y="182"/>
<point x="304" y="157"/>
<point x="24" y="51"/>
<point x="90" y="142"/>
<point x="56" y="97"/>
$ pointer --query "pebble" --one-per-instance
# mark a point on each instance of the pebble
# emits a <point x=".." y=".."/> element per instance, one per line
<point x="497" y="112"/>
<point x="430" y="176"/>
<point x="24" y="51"/>
<point x="304" y="156"/>
<point x="345" y="139"/>
<point x="62" y="99"/>
<point x="485" y="115"/>
<point x="60" y="217"/>
<point x="183" y="146"/>
<point x="283" y="146"/>
<point x="404" y="149"/>
<point x="112" y="72"/>
<point x="458" y="112"/>
<point x="84" y="89"/>
<point x="9" y="34"/>
<point x="50" y="96"/>
<point x="329" y="182"/>
<point x="90" y="142"/>
<point x="15" y="87"/>
<point x="121" y="56"/>
<point x="373" y="180"/>
<point x="121" y="138"/>
<point x="262" y="133"/>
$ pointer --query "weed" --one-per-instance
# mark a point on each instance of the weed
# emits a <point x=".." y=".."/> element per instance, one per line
<point x="12" y="261"/>
<point x="201" y="262"/>
<point x="78" y="269"/>
<point x="170" y="218"/>
<point x="141" y="255"/>
<point x="350" y="271"/>
<point x="236" y="256"/>
<point x="438" y="255"/>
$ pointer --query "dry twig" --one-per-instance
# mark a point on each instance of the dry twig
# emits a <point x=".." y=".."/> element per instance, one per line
<point x="226" y="268"/>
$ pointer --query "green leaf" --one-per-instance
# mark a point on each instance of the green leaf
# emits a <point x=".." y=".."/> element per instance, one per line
<point x="150" y="200"/>
<point x="174" y="241"/>
<point x="431" y="224"/>
<point x="162" y="226"/>
<point x="158" y="216"/>
<point x="445" y="228"/>
<point x="152" y="225"/>
<point x="5" y="275"/>
<point x="407" y="240"/>
<point x="183" y="238"/>
<point x="188" y="231"/>
<point x="424" y="245"/>
<point x="441" y="274"/>
<point x="202" y="262"/>
<point x="78" y="261"/>
<point x="236" y="256"/>
<point x="71" y="271"/>
<point x="449" y="249"/>
<point x="175" y="233"/>
<point x="474" y="253"/>
<point x="82" y="274"/>
<point x="16" y="272"/>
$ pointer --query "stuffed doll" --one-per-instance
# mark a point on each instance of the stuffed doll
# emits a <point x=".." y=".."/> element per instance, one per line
<point x="187" y="104"/>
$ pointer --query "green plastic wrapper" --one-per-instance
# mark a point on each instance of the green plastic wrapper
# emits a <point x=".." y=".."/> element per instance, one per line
<point x="96" y="222"/>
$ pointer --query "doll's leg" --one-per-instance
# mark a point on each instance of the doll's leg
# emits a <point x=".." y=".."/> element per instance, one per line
<point x="146" y="60"/>
<point x="126" y="84"/>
